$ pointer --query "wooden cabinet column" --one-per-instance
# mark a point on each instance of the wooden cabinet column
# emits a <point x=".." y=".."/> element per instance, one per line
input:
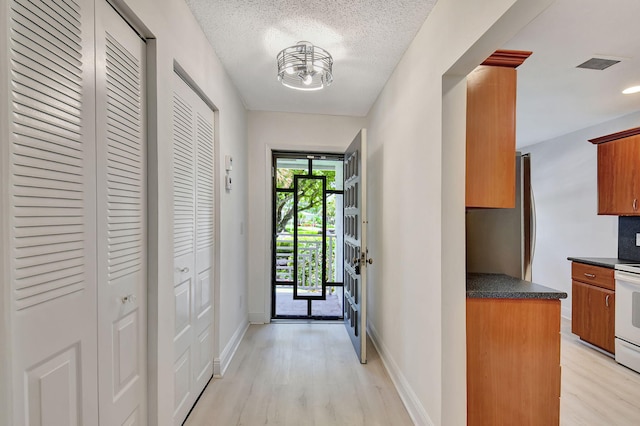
<point x="491" y="131"/>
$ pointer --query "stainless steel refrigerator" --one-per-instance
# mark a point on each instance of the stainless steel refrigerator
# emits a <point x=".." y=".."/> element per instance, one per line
<point x="503" y="240"/>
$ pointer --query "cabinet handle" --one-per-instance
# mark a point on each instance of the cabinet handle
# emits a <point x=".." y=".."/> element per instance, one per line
<point x="184" y="270"/>
<point x="606" y="300"/>
<point x="589" y="275"/>
<point x="635" y="204"/>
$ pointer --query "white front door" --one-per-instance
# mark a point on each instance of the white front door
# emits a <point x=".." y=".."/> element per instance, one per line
<point x="122" y="231"/>
<point x="50" y="205"/>
<point x="355" y="243"/>
<point x="193" y="241"/>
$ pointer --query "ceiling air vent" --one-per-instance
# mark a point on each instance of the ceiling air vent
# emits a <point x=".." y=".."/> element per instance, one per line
<point x="597" y="64"/>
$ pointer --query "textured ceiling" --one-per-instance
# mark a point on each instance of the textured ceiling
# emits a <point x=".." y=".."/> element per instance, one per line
<point x="555" y="97"/>
<point x="366" y="38"/>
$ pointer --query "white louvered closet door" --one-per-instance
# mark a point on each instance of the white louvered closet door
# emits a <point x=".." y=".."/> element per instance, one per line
<point x="193" y="188"/>
<point x="122" y="233"/>
<point x="51" y="209"/>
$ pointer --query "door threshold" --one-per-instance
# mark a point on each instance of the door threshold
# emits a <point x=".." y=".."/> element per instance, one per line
<point x="304" y="321"/>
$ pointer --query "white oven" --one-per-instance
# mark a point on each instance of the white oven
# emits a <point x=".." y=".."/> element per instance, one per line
<point x="628" y="316"/>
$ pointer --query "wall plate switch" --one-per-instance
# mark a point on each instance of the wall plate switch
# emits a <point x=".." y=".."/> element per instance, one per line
<point x="638" y="239"/>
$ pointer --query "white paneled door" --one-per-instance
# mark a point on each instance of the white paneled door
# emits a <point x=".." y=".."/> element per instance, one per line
<point x="193" y="189"/>
<point x="121" y="225"/>
<point x="51" y="210"/>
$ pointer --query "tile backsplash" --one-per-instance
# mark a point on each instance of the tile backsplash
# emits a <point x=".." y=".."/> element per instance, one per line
<point x="628" y="226"/>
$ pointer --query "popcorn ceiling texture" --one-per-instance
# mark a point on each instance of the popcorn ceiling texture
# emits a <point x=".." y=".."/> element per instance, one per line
<point x="366" y="38"/>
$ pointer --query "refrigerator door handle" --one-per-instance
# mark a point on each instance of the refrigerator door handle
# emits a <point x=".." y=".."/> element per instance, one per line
<point x="533" y="226"/>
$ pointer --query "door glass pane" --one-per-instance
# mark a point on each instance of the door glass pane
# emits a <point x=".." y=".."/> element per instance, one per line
<point x="332" y="170"/>
<point x="286" y="305"/>
<point x="310" y="212"/>
<point x="335" y="230"/>
<point x="331" y="307"/>
<point x="287" y="168"/>
<point x="284" y="236"/>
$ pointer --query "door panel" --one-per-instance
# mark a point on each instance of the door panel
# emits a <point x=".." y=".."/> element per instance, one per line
<point x="355" y="244"/>
<point x="309" y="267"/>
<point x="193" y="176"/>
<point x="202" y="303"/>
<point x="122" y="233"/>
<point x="53" y="390"/>
<point x="184" y="216"/>
<point x="51" y="210"/>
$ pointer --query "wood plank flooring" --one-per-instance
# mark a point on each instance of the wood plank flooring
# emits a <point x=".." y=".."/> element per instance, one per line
<point x="307" y="374"/>
<point x="300" y="374"/>
<point x="596" y="391"/>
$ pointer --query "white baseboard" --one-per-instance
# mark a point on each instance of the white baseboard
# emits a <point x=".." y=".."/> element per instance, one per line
<point x="258" y="318"/>
<point x="220" y="364"/>
<point x="410" y="400"/>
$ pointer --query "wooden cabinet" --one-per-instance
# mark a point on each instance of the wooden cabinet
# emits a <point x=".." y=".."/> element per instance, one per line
<point x="491" y="131"/>
<point x="593" y="303"/>
<point x="513" y="362"/>
<point x="619" y="173"/>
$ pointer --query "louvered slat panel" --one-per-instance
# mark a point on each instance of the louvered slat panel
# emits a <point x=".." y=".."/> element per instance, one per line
<point x="183" y="179"/>
<point x="124" y="161"/>
<point x="204" y="182"/>
<point x="47" y="168"/>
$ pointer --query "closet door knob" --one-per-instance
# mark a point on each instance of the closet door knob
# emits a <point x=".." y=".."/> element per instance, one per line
<point x="185" y="269"/>
<point x="130" y="298"/>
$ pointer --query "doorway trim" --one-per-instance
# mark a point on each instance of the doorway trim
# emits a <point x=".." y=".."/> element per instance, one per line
<point x="264" y="317"/>
<point x="273" y="190"/>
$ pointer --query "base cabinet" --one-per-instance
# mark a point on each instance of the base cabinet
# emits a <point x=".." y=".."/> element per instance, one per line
<point x="593" y="305"/>
<point x="513" y="362"/>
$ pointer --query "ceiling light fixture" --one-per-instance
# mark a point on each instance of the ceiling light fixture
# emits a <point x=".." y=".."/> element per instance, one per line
<point x="630" y="90"/>
<point x="305" y="67"/>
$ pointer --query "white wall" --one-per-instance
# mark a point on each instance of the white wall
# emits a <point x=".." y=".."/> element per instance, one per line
<point x="288" y="132"/>
<point x="416" y="222"/>
<point x="178" y="37"/>
<point x="565" y="186"/>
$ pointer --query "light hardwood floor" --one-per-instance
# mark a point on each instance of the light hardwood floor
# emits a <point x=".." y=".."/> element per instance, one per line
<point x="300" y="374"/>
<point x="596" y="391"/>
<point x="307" y="374"/>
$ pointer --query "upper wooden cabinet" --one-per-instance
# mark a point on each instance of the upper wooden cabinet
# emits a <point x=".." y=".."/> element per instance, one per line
<point x="619" y="173"/>
<point x="491" y="131"/>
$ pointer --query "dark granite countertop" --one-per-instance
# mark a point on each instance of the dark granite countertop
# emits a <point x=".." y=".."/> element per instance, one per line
<point x="500" y="286"/>
<point x="605" y="262"/>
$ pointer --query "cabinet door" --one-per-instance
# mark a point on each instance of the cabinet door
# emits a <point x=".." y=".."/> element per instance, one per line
<point x="618" y="176"/>
<point x="593" y="315"/>
<point x="491" y="118"/>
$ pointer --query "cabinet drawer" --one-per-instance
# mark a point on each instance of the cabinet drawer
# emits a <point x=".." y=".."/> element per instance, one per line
<point x="595" y="275"/>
